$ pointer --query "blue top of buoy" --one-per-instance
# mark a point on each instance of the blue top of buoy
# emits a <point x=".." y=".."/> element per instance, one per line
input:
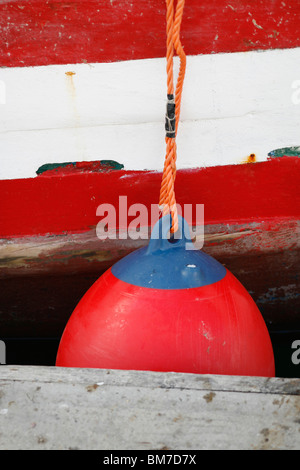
<point x="169" y="264"/>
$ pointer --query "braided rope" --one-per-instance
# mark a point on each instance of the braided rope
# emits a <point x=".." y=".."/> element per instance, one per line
<point x="167" y="200"/>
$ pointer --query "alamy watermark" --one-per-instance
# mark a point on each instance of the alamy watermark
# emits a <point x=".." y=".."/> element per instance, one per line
<point x="2" y="352"/>
<point x="296" y="354"/>
<point x="133" y="222"/>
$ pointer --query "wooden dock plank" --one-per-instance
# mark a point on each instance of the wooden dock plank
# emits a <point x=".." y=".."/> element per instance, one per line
<point x="56" y="408"/>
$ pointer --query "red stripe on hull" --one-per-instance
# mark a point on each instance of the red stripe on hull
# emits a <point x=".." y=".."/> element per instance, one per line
<point x="39" y="32"/>
<point x="60" y="204"/>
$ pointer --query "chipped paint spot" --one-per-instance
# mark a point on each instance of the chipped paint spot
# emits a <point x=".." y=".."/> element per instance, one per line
<point x="209" y="397"/>
<point x="92" y="388"/>
<point x="206" y="333"/>
<point x="256" y="24"/>
<point x="272" y="437"/>
<point x="283" y="293"/>
<point x="52" y="166"/>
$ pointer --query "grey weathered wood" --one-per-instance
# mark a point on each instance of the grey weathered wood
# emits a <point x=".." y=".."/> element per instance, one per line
<point x="58" y="408"/>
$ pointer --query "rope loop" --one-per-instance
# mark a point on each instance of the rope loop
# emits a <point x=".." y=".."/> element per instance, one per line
<point x="167" y="192"/>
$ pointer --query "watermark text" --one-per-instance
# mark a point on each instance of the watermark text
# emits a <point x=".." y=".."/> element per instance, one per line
<point x="296" y="354"/>
<point x="133" y="222"/>
<point x="2" y="352"/>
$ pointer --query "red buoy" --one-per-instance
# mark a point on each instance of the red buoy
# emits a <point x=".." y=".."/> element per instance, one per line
<point x="166" y="307"/>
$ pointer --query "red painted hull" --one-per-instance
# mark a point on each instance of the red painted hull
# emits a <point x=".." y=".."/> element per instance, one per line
<point x="39" y="32"/>
<point x="60" y="203"/>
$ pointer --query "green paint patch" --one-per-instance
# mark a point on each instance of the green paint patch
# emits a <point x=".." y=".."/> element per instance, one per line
<point x="285" y="152"/>
<point x="53" y="166"/>
<point x="79" y="167"/>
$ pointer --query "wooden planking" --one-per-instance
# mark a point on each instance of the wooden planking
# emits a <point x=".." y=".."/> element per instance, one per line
<point x="43" y="278"/>
<point x="39" y="32"/>
<point x="169" y="380"/>
<point x="84" y="252"/>
<point x="86" y="112"/>
<point x="50" y="408"/>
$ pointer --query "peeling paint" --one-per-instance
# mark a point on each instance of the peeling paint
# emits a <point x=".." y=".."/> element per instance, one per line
<point x="92" y="388"/>
<point x="256" y="24"/>
<point x="98" y="166"/>
<point x="283" y="293"/>
<point x="206" y="333"/>
<point x="285" y="152"/>
<point x="98" y="25"/>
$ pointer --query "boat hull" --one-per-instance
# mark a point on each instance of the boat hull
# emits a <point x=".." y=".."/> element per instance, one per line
<point x="251" y="225"/>
<point x="82" y="100"/>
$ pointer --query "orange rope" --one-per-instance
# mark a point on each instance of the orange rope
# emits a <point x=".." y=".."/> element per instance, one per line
<point x="167" y="199"/>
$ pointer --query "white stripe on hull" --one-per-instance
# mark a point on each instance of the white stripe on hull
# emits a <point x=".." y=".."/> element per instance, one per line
<point x="233" y="105"/>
